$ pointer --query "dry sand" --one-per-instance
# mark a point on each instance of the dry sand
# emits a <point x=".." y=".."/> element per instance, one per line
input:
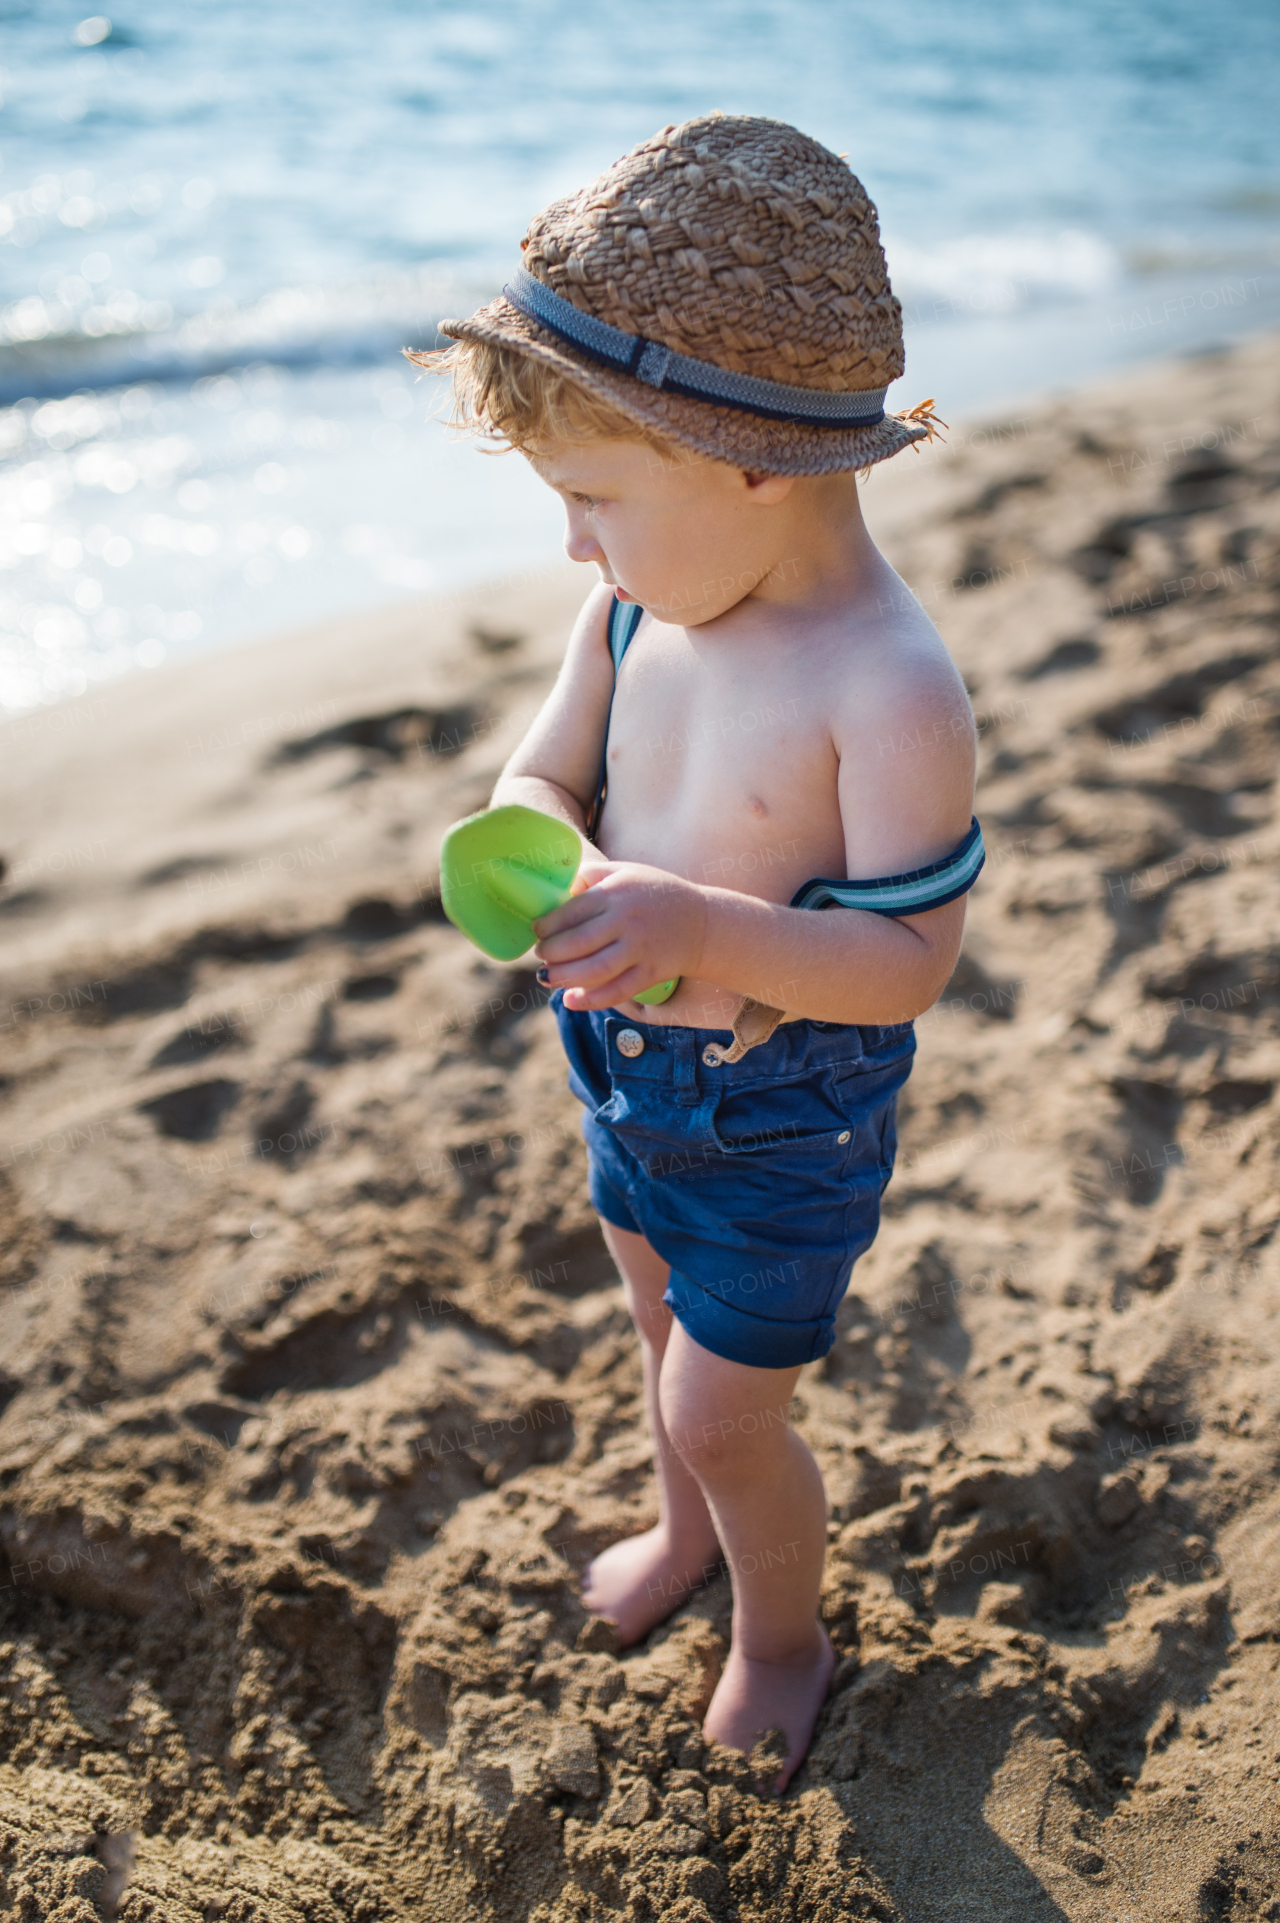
<point x="320" y="1389"/>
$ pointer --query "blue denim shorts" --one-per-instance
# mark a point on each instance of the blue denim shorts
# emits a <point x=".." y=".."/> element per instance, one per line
<point x="758" y="1181"/>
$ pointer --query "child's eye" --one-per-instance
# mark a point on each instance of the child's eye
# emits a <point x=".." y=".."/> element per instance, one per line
<point x="586" y="500"/>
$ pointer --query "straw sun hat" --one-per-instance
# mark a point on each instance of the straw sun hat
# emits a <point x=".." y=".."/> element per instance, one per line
<point x="722" y="285"/>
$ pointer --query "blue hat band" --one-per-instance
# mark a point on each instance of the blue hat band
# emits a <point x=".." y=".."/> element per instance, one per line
<point x="671" y="373"/>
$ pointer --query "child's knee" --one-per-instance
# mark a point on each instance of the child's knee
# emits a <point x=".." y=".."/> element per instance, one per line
<point x="714" y="1435"/>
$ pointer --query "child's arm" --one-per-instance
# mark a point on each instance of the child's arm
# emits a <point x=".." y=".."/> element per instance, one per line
<point x="568" y="734"/>
<point x="637" y="924"/>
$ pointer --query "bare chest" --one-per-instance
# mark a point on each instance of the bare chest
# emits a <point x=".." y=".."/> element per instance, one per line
<point x="721" y="767"/>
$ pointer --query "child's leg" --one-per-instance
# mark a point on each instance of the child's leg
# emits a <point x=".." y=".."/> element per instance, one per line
<point x="640" y="1581"/>
<point x="728" y="1424"/>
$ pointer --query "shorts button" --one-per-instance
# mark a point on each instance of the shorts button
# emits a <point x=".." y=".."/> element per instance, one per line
<point x="843" y="1136"/>
<point x="629" y="1043"/>
<point x="710" y="1059"/>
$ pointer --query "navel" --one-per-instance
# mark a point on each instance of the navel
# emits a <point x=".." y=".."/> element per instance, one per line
<point x="757" y="806"/>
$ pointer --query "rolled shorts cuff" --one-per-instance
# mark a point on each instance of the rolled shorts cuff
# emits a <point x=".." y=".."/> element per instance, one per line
<point x="736" y="1335"/>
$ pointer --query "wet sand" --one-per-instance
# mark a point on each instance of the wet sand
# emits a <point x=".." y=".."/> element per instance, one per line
<point x="318" y="1388"/>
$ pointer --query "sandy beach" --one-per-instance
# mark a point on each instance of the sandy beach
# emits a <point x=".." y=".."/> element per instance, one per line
<point x="317" y="1390"/>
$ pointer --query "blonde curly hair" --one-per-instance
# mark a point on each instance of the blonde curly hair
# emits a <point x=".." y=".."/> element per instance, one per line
<point x="514" y="401"/>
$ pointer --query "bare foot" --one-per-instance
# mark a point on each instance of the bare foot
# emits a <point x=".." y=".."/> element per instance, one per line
<point x="753" y="1697"/>
<point x="637" y="1583"/>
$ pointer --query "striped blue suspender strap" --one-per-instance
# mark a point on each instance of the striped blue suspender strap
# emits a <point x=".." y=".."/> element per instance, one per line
<point x="910" y="894"/>
<point x="624" y="619"/>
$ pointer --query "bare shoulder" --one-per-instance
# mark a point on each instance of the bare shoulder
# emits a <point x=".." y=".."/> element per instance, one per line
<point x="904" y="732"/>
<point x="589" y="636"/>
<point x="586" y="673"/>
<point x="563" y="743"/>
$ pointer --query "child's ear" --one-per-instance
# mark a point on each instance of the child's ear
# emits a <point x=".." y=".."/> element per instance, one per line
<point x="769" y="489"/>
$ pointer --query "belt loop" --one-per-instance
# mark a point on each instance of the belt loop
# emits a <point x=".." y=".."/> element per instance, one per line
<point x="688" y="1094"/>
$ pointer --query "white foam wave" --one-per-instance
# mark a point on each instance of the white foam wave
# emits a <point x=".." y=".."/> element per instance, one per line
<point x="48" y="348"/>
<point x="1000" y="273"/>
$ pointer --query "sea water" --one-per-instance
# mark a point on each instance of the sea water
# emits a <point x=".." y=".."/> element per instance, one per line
<point x="219" y="223"/>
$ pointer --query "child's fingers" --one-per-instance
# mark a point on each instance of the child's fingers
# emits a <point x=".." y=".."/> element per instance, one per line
<point x="590" y="972"/>
<point x="591" y="868"/>
<point x="620" y="989"/>
<point x="575" y="944"/>
<point x="570" y="914"/>
<point x="585" y="1001"/>
<point x="562" y="937"/>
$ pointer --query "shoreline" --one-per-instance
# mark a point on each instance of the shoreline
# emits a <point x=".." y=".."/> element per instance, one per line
<point x="456" y="667"/>
<point x="972" y="425"/>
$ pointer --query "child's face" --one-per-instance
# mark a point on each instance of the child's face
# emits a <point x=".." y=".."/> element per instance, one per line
<point x="685" y="536"/>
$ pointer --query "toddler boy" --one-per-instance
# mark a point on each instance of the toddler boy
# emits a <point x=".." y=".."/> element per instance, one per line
<point x="694" y="356"/>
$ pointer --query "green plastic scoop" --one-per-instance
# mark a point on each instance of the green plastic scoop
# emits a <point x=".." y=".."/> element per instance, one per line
<point x="501" y="870"/>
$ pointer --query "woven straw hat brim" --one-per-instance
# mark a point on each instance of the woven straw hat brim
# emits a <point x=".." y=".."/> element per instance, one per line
<point x="721" y="433"/>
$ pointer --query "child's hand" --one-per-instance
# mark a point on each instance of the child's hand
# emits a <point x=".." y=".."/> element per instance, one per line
<point x="627" y="927"/>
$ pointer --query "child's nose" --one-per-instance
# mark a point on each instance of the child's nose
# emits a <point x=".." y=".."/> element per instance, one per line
<point x="581" y="546"/>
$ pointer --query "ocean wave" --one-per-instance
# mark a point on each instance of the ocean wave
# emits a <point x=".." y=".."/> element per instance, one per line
<point x="1001" y="273"/>
<point x="49" y="349"/>
<point x="52" y="347"/>
<point x="1178" y="256"/>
